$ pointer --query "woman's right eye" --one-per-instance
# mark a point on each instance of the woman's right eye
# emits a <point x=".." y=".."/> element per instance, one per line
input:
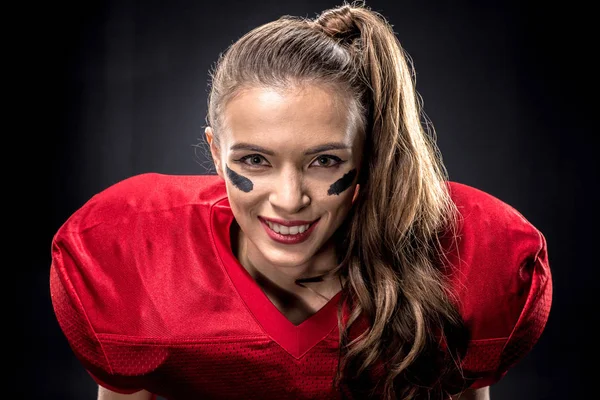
<point x="252" y="160"/>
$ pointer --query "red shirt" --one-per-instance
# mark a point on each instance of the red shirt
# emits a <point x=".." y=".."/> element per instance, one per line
<point x="150" y="296"/>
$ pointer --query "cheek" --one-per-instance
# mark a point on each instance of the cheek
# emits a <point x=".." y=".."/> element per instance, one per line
<point x="336" y="204"/>
<point x="242" y="203"/>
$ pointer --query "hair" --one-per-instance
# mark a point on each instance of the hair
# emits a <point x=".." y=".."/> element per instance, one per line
<point x="392" y="263"/>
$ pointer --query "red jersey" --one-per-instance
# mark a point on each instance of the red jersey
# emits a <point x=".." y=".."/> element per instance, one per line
<point x="149" y="295"/>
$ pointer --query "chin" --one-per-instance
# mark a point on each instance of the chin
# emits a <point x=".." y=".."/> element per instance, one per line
<point x="286" y="259"/>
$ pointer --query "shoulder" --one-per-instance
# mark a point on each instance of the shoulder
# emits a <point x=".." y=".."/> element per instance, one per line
<point x="118" y="268"/>
<point x="480" y="209"/>
<point x="130" y="242"/>
<point x="494" y="244"/>
<point x="493" y="239"/>
<point x="126" y="233"/>
<point x="139" y="194"/>
<point x="501" y="277"/>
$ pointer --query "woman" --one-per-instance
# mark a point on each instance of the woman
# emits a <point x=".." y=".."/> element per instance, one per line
<point x="328" y="258"/>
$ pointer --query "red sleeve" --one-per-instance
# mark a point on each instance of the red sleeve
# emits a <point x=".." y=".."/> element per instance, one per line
<point x="503" y="284"/>
<point x="494" y="357"/>
<point x="76" y="326"/>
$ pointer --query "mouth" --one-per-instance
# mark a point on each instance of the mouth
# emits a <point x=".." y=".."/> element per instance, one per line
<point x="294" y="234"/>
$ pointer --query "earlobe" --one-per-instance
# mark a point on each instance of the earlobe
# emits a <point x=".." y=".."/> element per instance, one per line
<point x="214" y="150"/>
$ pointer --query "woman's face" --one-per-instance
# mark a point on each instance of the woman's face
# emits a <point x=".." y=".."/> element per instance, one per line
<point x="288" y="158"/>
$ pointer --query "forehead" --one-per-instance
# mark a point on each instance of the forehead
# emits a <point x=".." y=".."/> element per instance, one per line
<point x="297" y="117"/>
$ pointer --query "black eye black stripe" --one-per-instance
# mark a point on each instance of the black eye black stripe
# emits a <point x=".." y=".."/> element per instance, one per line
<point x="343" y="183"/>
<point x="239" y="181"/>
<point x="246" y="185"/>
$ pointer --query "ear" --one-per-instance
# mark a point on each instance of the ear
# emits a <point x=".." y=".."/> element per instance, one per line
<point x="356" y="190"/>
<point x="214" y="150"/>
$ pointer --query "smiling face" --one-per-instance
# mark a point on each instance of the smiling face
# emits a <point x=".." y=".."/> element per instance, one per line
<point x="290" y="157"/>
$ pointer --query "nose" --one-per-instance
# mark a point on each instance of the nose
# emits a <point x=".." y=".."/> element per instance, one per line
<point x="289" y="195"/>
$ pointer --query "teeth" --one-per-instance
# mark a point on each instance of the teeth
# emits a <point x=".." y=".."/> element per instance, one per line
<point x="287" y="230"/>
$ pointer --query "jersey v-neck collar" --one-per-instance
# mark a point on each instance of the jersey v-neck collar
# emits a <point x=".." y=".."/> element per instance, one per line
<point x="295" y="339"/>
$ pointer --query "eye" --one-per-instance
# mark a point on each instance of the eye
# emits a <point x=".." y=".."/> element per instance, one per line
<point x="327" y="161"/>
<point x="252" y="160"/>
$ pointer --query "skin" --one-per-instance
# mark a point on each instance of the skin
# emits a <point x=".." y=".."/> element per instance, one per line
<point x="105" y="394"/>
<point x="288" y="184"/>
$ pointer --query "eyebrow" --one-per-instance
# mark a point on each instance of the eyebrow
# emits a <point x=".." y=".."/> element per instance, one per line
<point x="311" y="151"/>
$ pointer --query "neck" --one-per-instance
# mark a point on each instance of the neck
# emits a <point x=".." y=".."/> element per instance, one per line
<point x="302" y="281"/>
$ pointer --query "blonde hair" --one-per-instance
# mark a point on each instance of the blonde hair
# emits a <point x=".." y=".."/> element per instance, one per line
<point x="390" y="241"/>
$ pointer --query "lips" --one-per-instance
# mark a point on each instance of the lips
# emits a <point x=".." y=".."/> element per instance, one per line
<point x="291" y="238"/>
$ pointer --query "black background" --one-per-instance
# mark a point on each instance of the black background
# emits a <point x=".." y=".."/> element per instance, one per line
<point x="109" y="89"/>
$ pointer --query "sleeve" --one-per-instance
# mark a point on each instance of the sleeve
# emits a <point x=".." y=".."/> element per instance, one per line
<point x="521" y="311"/>
<point x="75" y="323"/>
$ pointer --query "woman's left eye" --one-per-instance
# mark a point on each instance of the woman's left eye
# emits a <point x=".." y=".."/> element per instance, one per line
<point x="252" y="160"/>
<point x="326" y="161"/>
